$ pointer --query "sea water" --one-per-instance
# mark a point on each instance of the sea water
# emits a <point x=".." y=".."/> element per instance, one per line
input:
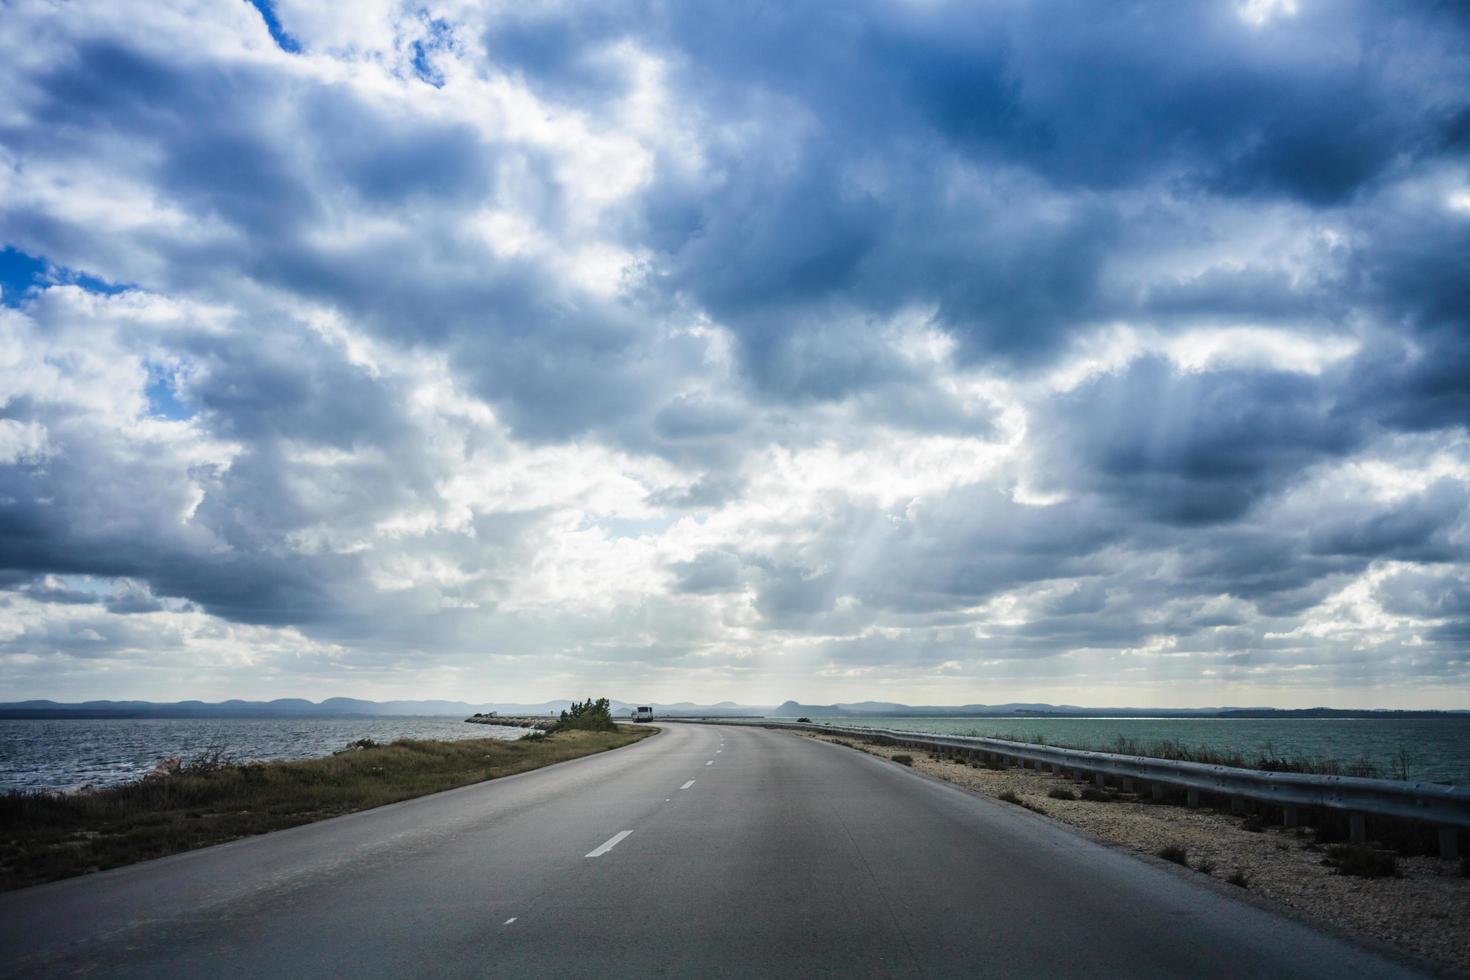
<point x="1433" y="749"/>
<point x="64" y="753"/>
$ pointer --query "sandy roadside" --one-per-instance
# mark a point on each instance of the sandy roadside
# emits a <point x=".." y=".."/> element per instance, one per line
<point x="1425" y="910"/>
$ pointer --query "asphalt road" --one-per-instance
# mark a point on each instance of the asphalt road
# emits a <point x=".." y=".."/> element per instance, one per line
<point x="704" y="851"/>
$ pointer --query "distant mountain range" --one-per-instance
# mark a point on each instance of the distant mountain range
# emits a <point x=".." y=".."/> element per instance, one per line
<point x="353" y="707"/>
<point x="330" y="708"/>
<point x="882" y="709"/>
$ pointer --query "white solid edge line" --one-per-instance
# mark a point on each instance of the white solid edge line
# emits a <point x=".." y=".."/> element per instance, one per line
<point x="687" y="785"/>
<point x="611" y="842"/>
<point x="710" y="762"/>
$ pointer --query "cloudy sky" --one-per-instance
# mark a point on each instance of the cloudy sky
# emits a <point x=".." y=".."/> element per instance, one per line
<point x="908" y="350"/>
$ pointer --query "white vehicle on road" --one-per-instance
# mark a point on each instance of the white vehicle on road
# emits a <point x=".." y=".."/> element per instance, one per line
<point x="644" y="713"/>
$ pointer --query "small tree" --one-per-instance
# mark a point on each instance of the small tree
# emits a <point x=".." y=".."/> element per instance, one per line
<point x="589" y="715"/>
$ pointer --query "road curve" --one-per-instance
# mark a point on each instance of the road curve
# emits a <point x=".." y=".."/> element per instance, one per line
<point x="704" y="851"/>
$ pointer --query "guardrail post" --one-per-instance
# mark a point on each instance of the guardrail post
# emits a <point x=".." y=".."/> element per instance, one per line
<point x="1100" y="779"/>
<point x="1158" y="791"/>
<point x="1127" y="785"/>
<point x="1358" y="828"/>
<point x="1237" y="804"/>
<point x="1449" y="843"/>
<point x="1288" y="816"/>
<point x="1192" y="798"/>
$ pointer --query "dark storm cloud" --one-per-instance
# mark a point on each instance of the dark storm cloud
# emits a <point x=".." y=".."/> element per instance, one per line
<point x="1418" y="528"/>
<point x="1195" y="447"/>
<point x="1180" y="98"/>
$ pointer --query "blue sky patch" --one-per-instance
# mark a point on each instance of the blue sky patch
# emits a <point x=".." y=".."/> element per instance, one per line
<point x="163" y="394"/>
<point x="18" y="273"/>
<point x="283" y="40"/>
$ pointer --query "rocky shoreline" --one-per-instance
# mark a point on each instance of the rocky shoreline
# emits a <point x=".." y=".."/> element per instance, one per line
<point x="540" y="724"/>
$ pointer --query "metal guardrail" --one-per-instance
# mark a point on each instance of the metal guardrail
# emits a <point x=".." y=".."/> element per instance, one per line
<point x="1448" y="807"/>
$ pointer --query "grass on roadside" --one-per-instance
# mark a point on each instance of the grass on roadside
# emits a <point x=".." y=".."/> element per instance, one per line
<point x="210" y="800"/>
<point x="1008" y="796"/>
<point x="1265" y="759"/>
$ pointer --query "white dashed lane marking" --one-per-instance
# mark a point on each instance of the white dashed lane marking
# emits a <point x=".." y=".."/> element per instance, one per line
<point x="609" y="844"/>
<point x="687" y="785"/>
<point x="511" y="919"/>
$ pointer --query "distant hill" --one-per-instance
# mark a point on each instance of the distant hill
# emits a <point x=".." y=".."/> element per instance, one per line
<point x="878" y="709"/>
<point x="281" y="708"/>
<point x="332" y="708"/>
<point x="354" y="707"/>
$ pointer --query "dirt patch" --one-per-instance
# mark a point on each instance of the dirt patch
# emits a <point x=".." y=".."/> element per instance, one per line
<point x="1424" y="909"/>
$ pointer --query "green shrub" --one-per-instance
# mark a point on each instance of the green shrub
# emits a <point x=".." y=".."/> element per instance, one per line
<point x="1254" y="824"/>
<point x="1239" y="878"/>
<point x="803" y="720"/>
<point x="1009" y="796"/>
<point x="1175" y="853"/>
<point x="210" y="760"/>
<point x="1205" y="867"/>
<point x="1061" y="793"/>
<point x="587" y="716"/>
<point x="904" y="760"/>
<point x="1098" y="795"/>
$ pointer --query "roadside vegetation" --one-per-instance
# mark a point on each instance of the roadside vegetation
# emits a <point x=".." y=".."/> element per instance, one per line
<point x="587" y="716"/>
<point x="1266" y="759"/>
<point x="211" y="799"/>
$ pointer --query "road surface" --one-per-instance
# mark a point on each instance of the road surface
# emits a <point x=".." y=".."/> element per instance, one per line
<point x="703" y="851"/>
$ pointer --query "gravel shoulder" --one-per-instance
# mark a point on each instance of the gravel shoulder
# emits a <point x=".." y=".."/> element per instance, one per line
<point x="1424" y="910"/>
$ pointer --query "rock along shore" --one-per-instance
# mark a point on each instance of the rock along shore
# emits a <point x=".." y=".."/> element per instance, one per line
<point x="541" y="724"/>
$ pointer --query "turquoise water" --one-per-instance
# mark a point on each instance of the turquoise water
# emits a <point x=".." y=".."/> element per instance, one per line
<point x="1437" y="749"/>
